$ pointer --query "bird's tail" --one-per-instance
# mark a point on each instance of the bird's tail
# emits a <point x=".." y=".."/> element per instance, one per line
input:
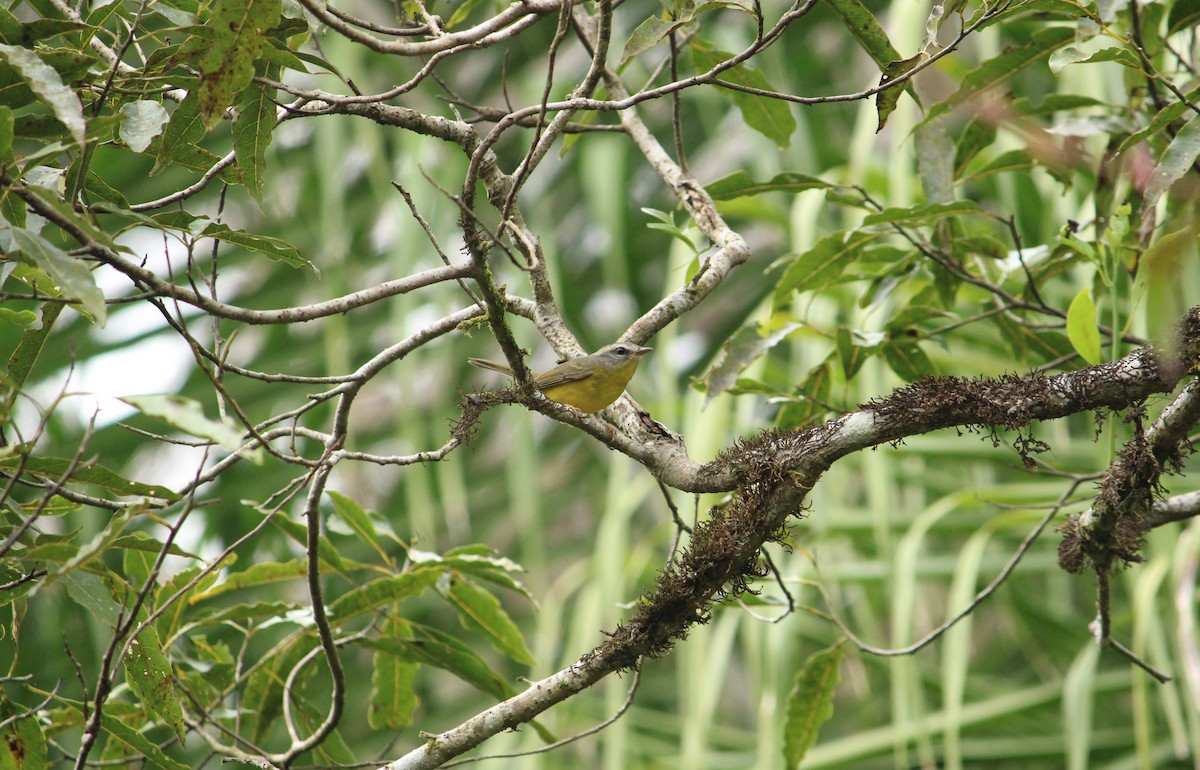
<point x="483" y="363"/>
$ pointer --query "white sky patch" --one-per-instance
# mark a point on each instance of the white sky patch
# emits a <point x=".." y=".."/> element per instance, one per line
<point x="159" y="364"/>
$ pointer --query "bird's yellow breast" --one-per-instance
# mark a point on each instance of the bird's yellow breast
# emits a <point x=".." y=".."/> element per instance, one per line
<point x="596" y="391"/>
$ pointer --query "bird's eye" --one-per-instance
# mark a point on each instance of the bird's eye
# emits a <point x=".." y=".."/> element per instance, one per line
<point x="621" y="350"/>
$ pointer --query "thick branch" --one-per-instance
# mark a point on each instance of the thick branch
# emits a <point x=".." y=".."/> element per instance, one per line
<point x="771" y="476"/>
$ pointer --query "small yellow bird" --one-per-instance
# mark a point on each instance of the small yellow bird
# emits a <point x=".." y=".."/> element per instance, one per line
<point x="589" y="383"/>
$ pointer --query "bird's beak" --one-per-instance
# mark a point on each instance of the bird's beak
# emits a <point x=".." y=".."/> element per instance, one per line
<point x="642" y="351"/>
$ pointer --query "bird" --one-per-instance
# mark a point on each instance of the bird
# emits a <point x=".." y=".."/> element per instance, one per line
<point x="588" y="383"/>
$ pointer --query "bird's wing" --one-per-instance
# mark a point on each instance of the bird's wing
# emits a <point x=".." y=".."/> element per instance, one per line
<point x="562" y="374"/>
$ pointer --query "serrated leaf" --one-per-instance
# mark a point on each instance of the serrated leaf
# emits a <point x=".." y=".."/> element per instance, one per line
<point x="377" y="593"/>
<point x="745" y="347"/>
<point x="48" y="85"/>
<point x="477" y="560"/>
<point x="823" y="263"/>
<point x="887" y="99"/>
<point x="252" y="128"/>
<point x="263" y="573"/>
<point x="71" y="275"/>
<point x="56" y="468"/>
<point x="142" y="747"/>
<point x="26" y="354"/>
<point x="140" y="541"/>
<point x="645" y="36"/>
<point x="227" y="65"/>
<point x="141" y="121"/>
<point x="187" y="415"/>
<point x="185" y="128"/>
<point x="740" y="183"/>
<point x="148" y="672"/>
<point x="357" y="518"/>
<point x="443" y="651"/>
<point x="393" y="697"/>
<point x="91" y="592"/>
<point x="810" y="703"/>
<point x="1081" y="327"/>
<point x="928" y="213"/>
<point x="274" y="248"/>
<point x="22" y="743"/>
<point x="866" y="31"/>
<point x="479" y="609"/>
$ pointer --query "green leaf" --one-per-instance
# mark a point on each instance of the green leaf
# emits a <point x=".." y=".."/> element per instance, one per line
<point x="443" y="651"/>
<point x="273" y="248"/>
<point x="262" y="701"/>
<point x="1000" y="68"/>
<point x="866" y="30"/>
<point x="1013" y="160"/>
<point x="647" y="35"/>
<point x="143" y="543"/>
<point x="393" y="697"/>
<point x="824" y="263"/>
<point x="887" y="99"/>
<point x="11" y="31"/>
<point x="1081" y="326"/>
<point x="141" y="121"/>
<point x="906" y="359"/>
<point x="479" y="609"/>
<point x="975" y="137"/>
<point x="1162" y="282"/>
<point x="252" y="129"/>
<point x="185" y="128"/>
<point x="70" y="274"/>
<point x="745" y="347"/>
<point x="377" y="593"/>
<point x="1064" y="57"/>
<point x="148" y="672"/>
<point x="55" y="469"/>
<point x="23" y="358"/>
<point x="227" y="65"/>
<point x="260" y="574"/>
<point x="1184" y="14"/>
<point x="357" y="519"/>
<point x="47" y="84"/>
<point x="137" y="743"/>
<point x="22" y="743"/>
<point x="854" y="347"/>
<point x="809" y="399"/>
<point x="1176" y="161"/>
<point x="187" y="415"/>
<point x="770" y="117"/>
<point x="810" y="703"/>
<point x="740" y="183"/>
<point x="926" y="214"/>
<point x="477" y="560"/>
<point x="7" y="128"/>
<point x="1161" y="120"/>
<point x="93" y="593"/>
